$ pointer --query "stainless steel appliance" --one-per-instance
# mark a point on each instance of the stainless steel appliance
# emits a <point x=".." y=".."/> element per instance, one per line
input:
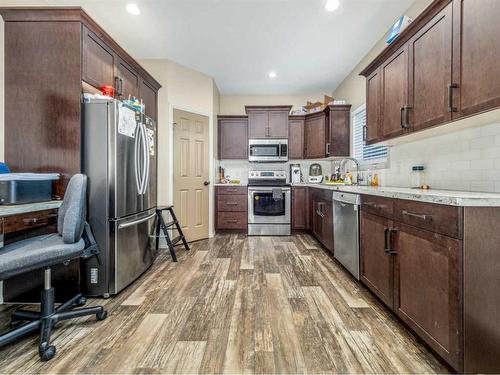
<point x="268" y="150"/>
<point x="346" y="230"/>
<point x="295" y="174"/>
<point x="119" y="158"/>
<point x="269" y="204"/>
<point x="315" y="174"/>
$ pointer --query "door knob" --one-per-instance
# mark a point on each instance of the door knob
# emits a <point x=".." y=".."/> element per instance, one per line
<point x="206" y="183"/>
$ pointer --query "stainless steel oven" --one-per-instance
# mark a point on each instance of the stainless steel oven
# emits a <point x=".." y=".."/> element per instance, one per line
<point x="268" y="150"/>
<point x="269" y="204"/>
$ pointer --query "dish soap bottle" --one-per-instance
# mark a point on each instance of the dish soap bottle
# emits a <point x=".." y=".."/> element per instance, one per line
<point x="375" y="179"/>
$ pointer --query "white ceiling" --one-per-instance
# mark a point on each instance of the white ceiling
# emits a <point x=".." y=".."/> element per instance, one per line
<point x="239" y="41"/>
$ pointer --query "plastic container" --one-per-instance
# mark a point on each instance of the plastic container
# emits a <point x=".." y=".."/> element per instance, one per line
<point x="417" y="176"/>
<point x="20" y="188"/>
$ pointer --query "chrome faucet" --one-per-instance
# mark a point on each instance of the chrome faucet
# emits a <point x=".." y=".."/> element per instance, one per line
<point x="344" y="161"/>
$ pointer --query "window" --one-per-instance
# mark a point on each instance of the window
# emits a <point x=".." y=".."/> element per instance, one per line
<point x="365" y="154"/>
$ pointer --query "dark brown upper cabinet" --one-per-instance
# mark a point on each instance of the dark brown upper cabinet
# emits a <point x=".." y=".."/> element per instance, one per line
<point x="476" y="54"/>
<point x="371" y="132"/>
<point x="149" y="96"/>
<point x="296" y="137"/>
<point x="233" y="137"/>
<point x="98" y="61"/>
<point x="315" y="136"/>
<point x="395" y="94"/>
<point x="443" y="67"/>
<point x="430" y="72"/>
<point x="268" y="122"/>
<point x="127" y="81"/>
<point x="339" y="120"/>
<point x="43" y="43"/>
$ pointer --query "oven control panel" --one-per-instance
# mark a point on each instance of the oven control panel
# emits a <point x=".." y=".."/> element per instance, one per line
<point x="267" y="175"/>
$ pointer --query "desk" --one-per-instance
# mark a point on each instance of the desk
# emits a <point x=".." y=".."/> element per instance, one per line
<point x="26" y="220"/>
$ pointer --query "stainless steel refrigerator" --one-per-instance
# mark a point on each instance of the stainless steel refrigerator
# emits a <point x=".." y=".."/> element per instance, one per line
<point x="119" y="156"/>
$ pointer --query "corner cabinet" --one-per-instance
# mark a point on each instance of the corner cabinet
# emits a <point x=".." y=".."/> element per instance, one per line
<point x="321" y="216"/>
<point x="268" y="122"/>
<point x="442" y="67"/>
<point x="52" y="55"/>
<point x="233" y="137"/>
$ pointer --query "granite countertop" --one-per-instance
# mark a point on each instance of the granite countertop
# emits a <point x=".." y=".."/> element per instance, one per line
<point x="7" y="210"/>
<point x="447" y="197"/>
<point x="220" y="184"/>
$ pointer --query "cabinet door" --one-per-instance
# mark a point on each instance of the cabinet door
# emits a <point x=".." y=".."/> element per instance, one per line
<point x="428" y="289"/>
<point x="149" y="96"/>
<point x="315" y="135"/>
<point x="233" y="140"/>
<point x="395" y="93"/>
<point x="430" y="53"/>
<point x="296" y="138"/>
<point x="377" y="267"/>
<point x="327" y="224"/>
<point x="300" y="208"/>
<point x="317" y="220"/>
<point x="373" y="94"/>
<point x="477" y="56"/>
<point x="277" y="124"/>
<point x="258" y="124"/>
<point x="340" y="130"/>
<point x="98" y="61"/>
<point x="128" y="85"/>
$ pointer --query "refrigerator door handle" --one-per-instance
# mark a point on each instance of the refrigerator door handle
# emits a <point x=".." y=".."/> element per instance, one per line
<point x="138" y="221"/>
<point x="138" y="178"/>
<point x="146" y="159"/>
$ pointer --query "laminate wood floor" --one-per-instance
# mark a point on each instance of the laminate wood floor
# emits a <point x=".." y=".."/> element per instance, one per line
<point x="234" y="304"/>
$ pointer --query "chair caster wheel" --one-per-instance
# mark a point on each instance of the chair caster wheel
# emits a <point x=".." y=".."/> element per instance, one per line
<point x="102" y="315"/>
<point x="81" y="302"/>
<point x="47" y="353"/>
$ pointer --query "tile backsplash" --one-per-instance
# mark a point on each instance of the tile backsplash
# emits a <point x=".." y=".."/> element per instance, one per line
<point x="238" y="169"/>
<point x="467" y="160"/>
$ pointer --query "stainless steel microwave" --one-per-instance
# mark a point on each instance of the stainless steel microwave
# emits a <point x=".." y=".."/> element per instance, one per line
<point x="268" y="150"/>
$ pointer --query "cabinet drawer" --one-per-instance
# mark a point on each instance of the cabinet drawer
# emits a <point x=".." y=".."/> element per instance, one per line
<point x="232" y="220"/>
<point x="231" y="190"/>
<point x="436" y="218"/>
<point x="232" y="203"/>
<point x="378" y="206"/>
<point x="29" y="220"/>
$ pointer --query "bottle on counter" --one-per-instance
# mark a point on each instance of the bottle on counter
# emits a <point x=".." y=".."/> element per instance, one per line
<point x="417" y="177"/>
<point x="375" y="181"/>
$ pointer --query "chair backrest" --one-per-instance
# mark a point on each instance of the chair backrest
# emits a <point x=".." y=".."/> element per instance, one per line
<point x="73" y="211"/>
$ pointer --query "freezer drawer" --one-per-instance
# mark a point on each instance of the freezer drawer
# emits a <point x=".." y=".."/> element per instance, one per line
<point x="132" y="247"/>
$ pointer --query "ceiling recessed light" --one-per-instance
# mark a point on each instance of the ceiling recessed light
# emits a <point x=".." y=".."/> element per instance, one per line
<point x="133" y="9"/>
<point x="332" y="5"/>
<point x="272" y="74"/>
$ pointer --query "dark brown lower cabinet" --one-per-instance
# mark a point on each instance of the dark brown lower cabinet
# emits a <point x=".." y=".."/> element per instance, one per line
<point x="231" y="208"/>
<point x="322" y="216"/>
<point x="377" y="266"/>
<point x="428" y="288"/>
<point x="300" y="208"/>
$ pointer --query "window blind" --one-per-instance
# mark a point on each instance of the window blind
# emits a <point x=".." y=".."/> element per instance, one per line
<point x="363" y="152"/>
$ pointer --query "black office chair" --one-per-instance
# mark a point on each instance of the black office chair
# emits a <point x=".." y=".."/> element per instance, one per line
<point x="73" y="240"/>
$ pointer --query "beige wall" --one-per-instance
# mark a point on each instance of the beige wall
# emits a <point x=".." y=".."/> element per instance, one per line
<point x="235" y="104"/>
<point x="189" y="90"/>
<point x="353" y="87"/>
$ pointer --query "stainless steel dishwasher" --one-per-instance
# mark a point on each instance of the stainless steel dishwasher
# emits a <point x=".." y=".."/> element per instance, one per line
<point x="346" y="230"/>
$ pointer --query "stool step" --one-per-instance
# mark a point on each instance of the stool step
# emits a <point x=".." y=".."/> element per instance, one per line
<point x="162" y="226"/>
<point x="171" y="223"/>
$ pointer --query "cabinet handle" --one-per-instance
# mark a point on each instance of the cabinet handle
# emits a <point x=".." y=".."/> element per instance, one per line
<point x="232" y="221"/>
<point x="327" y="151"/>
<point x="418" y="216"/>
<point x="365" y="130"/>
<point x="118" y="86"/>
<point x="374" y="205"/>
<point x="392" y="231"/>
<point x="451" y="86"/>
<point x="386" y="240"/>
<point x="31" y="221"/>
<point x="404" y="117"/>
<point x="231" y="203"/>
<point x="232" y="190"/>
